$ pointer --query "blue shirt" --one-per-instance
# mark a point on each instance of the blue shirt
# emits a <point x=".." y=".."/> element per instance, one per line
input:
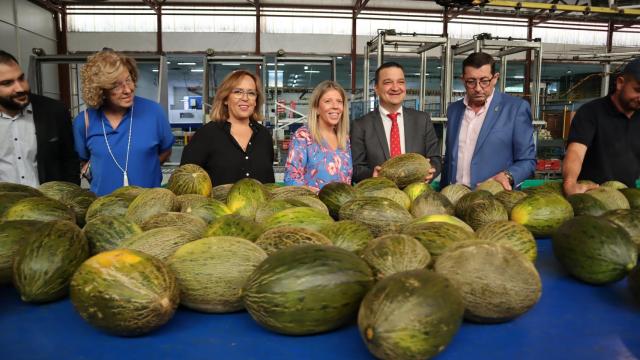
<point x="150" y="136"/>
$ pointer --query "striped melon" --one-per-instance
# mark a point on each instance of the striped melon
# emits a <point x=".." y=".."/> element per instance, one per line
<point x="441" y="218"/>
<point x="40" y="209"/>
<point x="334" y="195"/>
<point x="124" y="292"/>
<point x="245" y="196"/>
<point x="306" y="217"/>
<point x="160" y="242"/>
<point x="405" y="169"/>
<point x="436" y="237"/>
<point x="112" y="205"/>
<point x="542" y="213"/>
<point x="221" y="192"/>
<point x="266" y="209"/>
<point x="208" y="211"/>
<point x="56" y="189"/>
<point x="348" y="234"/>
<point x="454" y="192"/>
<point x="512" y="234"/>
<point x="186" y="221"/>
<point x="381" y="215"/>
<point x="286" y="236"/>
<point x="393" y="253"/>
<point x="287" y="192"/>
<point x="393" y="194"/>
<point x="79" y="201"/>
<point x="627" y="219"/>
<point x="415" y="189"/>
<point x="509" y="198"/>
<point x="11" y="187"/>
<point x="235" y="225"/>
<point x="185" y="201"/>
<point x="106" y="232"/>
<point x="211" y="272"/>
<point x="190" y="179"/>
<point x="431" y="203"/>
<point x="374" y="183"/>
<point x="151" y="202"/>
<point x="491" y="186"/>
<point x="484" y="212"/>
<point x="128" y="192"/>
<point x="13" y="235"/>
<point x="7" y="199"/>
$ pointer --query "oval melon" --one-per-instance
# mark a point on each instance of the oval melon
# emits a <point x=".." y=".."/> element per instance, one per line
<point x="11" y="187"/>
<point x="286" y="236"/>
<point x="129" y="192"/>
<point x="334" y="195"/>
<point x="462" y="205"/>
<point x="56" y="189"/>
<point x="7" y="199"/>
<point x="374" y="183"/>
<point x="305" y="217"/>
<point x="40" y="209"/>
<point x="287" y="192"/>
<point x="159" y="242"/>
<point x="393" y="194"/>
<point x="186" y="221"/>
<point x="512" y="234"/>
<point x="380" y="215"/>
<point x="124" y="292"/>
<point x="307" y="289"/>
<point x="431" y="203"/>
<point x="542" y="213"/>
<point x="394" y="253"/>
<point x="235" y="225"/>
<point x="190" y="179"/>
<point x="454" y="192"/>
<point x="221" y="192"/>
<point x="111" y="205"/>
<point x="106" y="232"/>
<point x="415" y="189"/>
<point x="484" y="212"/>
<point x="441" y="218"/>
<point x="509" y="198"/>
<point x="633" y="196"/>
<point x="491" y="186"/>
<point x="405" y="169"/>
<point x="151" y="202"/>
<point x="13" y="235"/>
<point x="208" y="211"/>
<point x="348" y="234"/>
<point x="211" y="272"/>
<point x="245" y="196"/>
<point x="436" y="237"/>
<point x="627" y="219"/>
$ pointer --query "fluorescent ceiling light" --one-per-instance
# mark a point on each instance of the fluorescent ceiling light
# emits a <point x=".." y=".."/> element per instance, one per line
<point x="154" y="70"/>
<point x="306" y="67"/>
<point x="187" y="63"/>
<point x="339" y="57"/>
<point x="197" y="70"/>
<point x="231" y="64"/>
<point x="518" y="76"/>
<point x="312" y="71"/>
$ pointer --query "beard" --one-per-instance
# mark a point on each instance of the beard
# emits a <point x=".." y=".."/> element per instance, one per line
<point x="9" y="103"/>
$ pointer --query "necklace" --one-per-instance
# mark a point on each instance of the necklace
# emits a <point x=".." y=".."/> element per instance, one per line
<point x="125" y="178"/>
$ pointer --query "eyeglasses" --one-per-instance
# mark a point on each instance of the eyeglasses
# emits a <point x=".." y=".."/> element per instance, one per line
<point x="484" y="82"/>
<point x="118" y="87"/>
<point x="240" y="93"/>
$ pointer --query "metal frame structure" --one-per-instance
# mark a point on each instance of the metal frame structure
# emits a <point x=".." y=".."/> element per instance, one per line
<point x="500" y="49"/>
<point x="392" y="42"/>
<point x="243" y="60"/>
<point x="35" y="74"/>
<point x="606" y="59"/>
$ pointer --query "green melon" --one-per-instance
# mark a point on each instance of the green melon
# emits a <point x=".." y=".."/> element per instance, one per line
<point x="44" y="265"/>
<point x="310" y="201"/>
<point x="394" y="253"/>
<point x="307" y="289"/>
<point x="185" y="201"/>
<point x="151" y="202"/>
<point x="128" y="192"/>
<point x="497" y="283"/>
<point x="7" y="199"/>
<point x="436" y="237"/>
<point x="56" y="189"/>
<point x="208" y="211"/>
<point x="79" y="201"/>
<point x="380" y="215"/>
<point x="221" y="192"/>
<point x="512" y="234"/>
<point x="306" y="217"/>
<point x="454" y="192"/>
<point x="13" y="235"/>
<point x="585" y="204"/>
<point x="286" y="236"/>
<point x="272" y="186"/>
<point x="112" y="205"/>
<point x="348" y="234"/>
<point x="627" y="219"/>
<point x="509" y="198"/>
<point x="491" y="186"/>
<point x="245" y="196"/>
<point x="334" y="195"/>
<point x="463" y="203"/>
<point x="611" y="198"/>
<point x="633" y="196"/>
<point x="613" y="184"/>
<point x="374" y="183"/>
<point x="124" y="292"/>
<point x="186" y="221"/>
<point x="441" y="218"/>
<point x="547" y="187"/>
<point x="542" y="213"/>
<point x="405" y="169"/>
<point x="287" y="192"/>
<point x="11" y="187"/>
<point x="393" y="194"/>
<point x="107" y="232"/>
<point x="235" y="225"/>
<point x="159" y="242"/>
<point x="266" y="209"/>
<point x="431" y="203"/>
<point x="415" y="189"/>
<point x="594" y="250"/>
<point x="190" y="179"/>
<point x="484" y="212"/>
<point x="40" y="209"/>
<point x="410" y="315"/>
<point x="211" y="272"/>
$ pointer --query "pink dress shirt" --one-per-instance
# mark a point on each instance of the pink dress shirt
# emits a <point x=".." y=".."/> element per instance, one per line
<point x="467" y="138"/>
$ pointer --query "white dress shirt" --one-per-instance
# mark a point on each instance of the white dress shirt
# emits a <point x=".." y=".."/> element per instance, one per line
<point x="467" y="139"/>
<point x="18" y="148"/>
<point x="386" y="122"/>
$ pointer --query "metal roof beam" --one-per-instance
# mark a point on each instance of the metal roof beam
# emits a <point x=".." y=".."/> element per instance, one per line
<point x="359" y="6"/>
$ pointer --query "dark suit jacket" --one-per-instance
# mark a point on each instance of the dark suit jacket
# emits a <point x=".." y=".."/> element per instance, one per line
<point x="57" y="158"/>
<point x="369" y="146"/>
<point x="505" y="141"/>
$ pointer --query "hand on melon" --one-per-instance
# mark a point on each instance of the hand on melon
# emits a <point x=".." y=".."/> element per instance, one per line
<point x="376" y="171"/>
<point x="573" y="187"/>
<point x="503" y="180"/>
<point x="430" y="174"/>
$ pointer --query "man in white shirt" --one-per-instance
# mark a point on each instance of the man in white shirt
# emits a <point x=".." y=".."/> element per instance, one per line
<point x="391" y="129"/>
<point x="490" y="134"/>
<point x="36" y="143"/>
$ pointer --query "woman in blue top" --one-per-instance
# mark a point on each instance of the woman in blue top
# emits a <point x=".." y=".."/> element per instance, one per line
<point x="320" y="152"/>
<point x="124" y="137"/>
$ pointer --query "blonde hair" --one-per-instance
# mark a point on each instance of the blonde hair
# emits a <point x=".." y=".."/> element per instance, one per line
<point x="101" y="72"/>
<point x="342" y="129"/>
<point x="220" y="111"/>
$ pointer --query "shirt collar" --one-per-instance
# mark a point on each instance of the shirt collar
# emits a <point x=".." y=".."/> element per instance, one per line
<point x="384" y="112"/>
<point x="28" y="109"/>
<point x="486" y="104"/>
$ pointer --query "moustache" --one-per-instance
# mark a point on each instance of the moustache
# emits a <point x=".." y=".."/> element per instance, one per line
<point x="19" y="94"/>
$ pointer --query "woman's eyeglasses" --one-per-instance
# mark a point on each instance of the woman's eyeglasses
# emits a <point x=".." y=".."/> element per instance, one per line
<point x="240" y="93"/>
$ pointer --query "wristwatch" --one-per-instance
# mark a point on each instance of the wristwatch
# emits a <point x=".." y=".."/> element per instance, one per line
<point x="509" y="176"/>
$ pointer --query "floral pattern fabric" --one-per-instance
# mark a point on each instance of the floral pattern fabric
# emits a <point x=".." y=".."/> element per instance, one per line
<point x="316" y="165"/>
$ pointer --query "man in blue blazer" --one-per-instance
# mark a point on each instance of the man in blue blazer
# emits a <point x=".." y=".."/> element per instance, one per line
<point x="489" y="134"/>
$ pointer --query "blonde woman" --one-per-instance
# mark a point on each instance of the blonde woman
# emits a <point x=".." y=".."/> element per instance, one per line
<point x="124" y="137"/>
<point x="234" y="145"/>
<point x="320" y="152"/>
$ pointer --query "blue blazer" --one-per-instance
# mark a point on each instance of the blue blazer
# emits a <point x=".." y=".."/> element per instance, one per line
<point x="505" y="141"/>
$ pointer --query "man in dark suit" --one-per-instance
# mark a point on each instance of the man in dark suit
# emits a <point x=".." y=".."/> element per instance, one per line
<point x="37" y="142"/>
<point x="490" y="134"/>
<point x="391" y="129"/>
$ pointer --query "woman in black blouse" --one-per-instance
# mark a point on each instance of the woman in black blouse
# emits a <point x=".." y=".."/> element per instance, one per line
<point x="233" y="145"/>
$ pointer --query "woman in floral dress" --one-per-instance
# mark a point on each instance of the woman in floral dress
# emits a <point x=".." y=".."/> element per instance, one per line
<point x="320" y="153"/>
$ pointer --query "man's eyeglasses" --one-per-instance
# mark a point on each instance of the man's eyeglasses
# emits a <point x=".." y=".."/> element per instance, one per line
<point x="239" y="93"/>
<point x="484" y="82"/>
<point x="119" y="86"/>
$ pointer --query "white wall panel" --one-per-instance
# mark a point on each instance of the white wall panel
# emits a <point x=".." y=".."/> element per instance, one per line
<point x="117" y="41"/>
<point x="6" y="11"/>
<point x="308" y="44"/>
<point x="8" y="38"/>
<point x="220" y="42"/>
<point x="35" y="19"/>
<point x="28" y="41"/>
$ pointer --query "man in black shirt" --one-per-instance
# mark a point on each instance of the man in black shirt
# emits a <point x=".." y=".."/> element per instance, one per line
<point x="603" y="142"/>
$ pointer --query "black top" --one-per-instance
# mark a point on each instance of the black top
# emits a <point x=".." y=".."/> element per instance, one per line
<point x="217" y="151"/>
<point x="613" y="149"/>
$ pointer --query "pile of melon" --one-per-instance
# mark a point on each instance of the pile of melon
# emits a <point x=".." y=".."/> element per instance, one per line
<point x="408" y="262"/>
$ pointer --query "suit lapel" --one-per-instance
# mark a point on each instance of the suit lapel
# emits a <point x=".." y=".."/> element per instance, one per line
<point x="489" y="120"/>
<point x="453" y="134"/>
<point x="41" y="136"/>
<point x="379" y="130"/>
<point x="410" y="132"/>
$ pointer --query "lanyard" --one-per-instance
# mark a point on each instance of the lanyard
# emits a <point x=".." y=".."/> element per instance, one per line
<point x="125" y="178"/>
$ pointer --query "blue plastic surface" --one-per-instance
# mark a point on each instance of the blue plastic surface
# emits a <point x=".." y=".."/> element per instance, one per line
<point x="572" y="321"/>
